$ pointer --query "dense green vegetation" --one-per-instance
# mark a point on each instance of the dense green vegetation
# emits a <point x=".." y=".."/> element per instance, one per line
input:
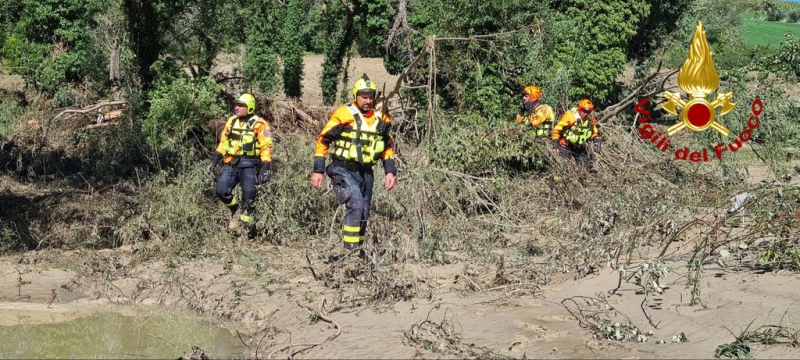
<point x="463" y="157"/>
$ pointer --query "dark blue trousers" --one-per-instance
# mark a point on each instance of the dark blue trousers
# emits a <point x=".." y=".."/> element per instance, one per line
<point x="232" y="176"/>
<point x="353" y="188"/>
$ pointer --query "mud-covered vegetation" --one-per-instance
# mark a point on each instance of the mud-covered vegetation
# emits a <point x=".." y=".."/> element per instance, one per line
<point x="473" y="187"/>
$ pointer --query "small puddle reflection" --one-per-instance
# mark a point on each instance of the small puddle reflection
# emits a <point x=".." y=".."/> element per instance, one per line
<point x="113" y="335"/>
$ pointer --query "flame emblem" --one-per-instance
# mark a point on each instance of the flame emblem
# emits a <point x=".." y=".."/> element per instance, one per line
<point x="698" y="77"/>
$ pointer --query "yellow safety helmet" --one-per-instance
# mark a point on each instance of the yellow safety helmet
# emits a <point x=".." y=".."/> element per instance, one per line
<point x="247" y="100"/>
<point x="364" y="84"/>
<point x="586" y="105"/>
<point x="534" y="92"/>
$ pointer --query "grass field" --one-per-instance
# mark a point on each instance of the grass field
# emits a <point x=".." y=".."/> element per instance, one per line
<point x="768" y="33"/>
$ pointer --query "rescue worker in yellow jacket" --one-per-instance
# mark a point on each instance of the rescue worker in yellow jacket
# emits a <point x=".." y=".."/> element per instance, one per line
<point x="245" y="148"/>
<point x="534" y="112"/>
<point x="571" y="134"/>
<point x="356" y="136"/>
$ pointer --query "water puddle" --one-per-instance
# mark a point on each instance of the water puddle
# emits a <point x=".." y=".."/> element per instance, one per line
<point x="114" y="335"/>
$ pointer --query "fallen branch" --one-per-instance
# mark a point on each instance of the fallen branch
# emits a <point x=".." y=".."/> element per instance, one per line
<point x="286" y="347"/>
<point x="300" y="114"/>
<point x="475" y="285"/>
<point x="400" y="78"/>
<point x="321" y="314"/>
<point x="89" y="109"/>
<point x="97" y="126"/>
<point x="311" y="267"/>
<point x="629" y="100"/>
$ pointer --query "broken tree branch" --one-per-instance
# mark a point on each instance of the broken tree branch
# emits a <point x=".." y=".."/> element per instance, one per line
<point x="629" y="100"/>
<point x="400" y="78"/>
<point x="89" y="109"/>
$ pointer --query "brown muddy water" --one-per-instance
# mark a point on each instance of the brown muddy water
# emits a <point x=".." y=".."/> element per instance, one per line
<point x="117" y="336"/>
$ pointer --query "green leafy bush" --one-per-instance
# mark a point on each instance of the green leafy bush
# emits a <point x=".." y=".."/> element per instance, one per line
<point x="178" y="107"/>
<point x="260" y="65"/>
<point x="471" y="145"/>
<point x="12" y="53"/>
<point x="775" y="14"/>
<point x="57" y="48"/>
<point x="794" y="15"/>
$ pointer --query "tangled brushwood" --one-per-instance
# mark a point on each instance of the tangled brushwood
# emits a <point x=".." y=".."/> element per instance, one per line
<point x="445" y="337"/>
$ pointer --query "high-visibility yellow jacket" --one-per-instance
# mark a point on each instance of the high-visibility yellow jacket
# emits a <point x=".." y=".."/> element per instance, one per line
<point x="352" y="136"/>
<point x="541" y="120"/>
<point x="572" y="130"/>
<point x="249" y="137"/>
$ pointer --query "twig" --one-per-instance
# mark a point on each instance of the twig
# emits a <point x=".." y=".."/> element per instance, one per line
<point x="322" y="314"/>
<point x="240" y="339"/>
<point x="461" y="175"/>
<point x="285" y="347"/>
<point x="628" y="100"/>
<point x="311" y="267"/>
<point x="89" y="109"/>
<point x="470" y="280"/>
<point x="512" y="285"/>
<point x="101" y="125"/>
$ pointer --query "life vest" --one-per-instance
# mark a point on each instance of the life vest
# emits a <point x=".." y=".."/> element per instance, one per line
<point x="364" y="143"/>
<point x="545" y="128"/>
<point x="580" y="132"/>
<point x="242" y="140"/>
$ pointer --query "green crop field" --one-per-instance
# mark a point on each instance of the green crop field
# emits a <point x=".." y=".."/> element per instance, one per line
<point x="758" y="31"/>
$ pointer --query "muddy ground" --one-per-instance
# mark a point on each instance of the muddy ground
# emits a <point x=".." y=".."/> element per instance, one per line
<point x="279" y="305"/>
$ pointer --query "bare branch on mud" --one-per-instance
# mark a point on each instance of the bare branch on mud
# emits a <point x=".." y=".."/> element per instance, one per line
<point x="475" y="285"/>
<point x="21" y="282"/>
<point x="311" y="267"/>
<point x="443" y="337"/>
<point x="321" y="314"/>
<point x="600" y="317"/>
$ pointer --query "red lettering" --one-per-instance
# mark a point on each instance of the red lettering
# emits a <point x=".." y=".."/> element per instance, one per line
<point x="644" y="112"/>
<point x="662" y="145"/>
<point x="757" y="107"/>
<point x="719" y="148"/>
<point x="752" y="124"/>
<point x="646" y="131"/>
<point x="695" y="156"/>
<point x="737" y="147"/>
<point x="745" y="138"/>
<point x="681" y="153"/>
<point x="653" y="140"/>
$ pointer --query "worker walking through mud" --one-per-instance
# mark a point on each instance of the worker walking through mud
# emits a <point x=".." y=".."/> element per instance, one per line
<point x="356" y="136"/>
<point x="245" y="148"/>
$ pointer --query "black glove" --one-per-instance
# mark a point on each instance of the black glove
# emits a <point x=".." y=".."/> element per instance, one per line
<point x="214" y="161"/>
<point x="263" y="174"/>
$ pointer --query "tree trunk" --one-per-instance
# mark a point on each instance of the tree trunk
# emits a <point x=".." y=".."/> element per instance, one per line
<point x="113" y="71"/>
